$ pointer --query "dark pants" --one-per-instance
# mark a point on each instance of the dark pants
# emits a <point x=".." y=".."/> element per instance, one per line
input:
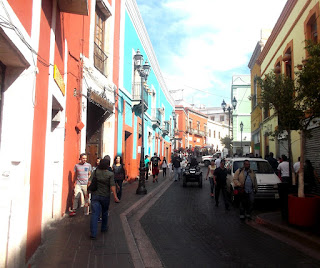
<point x="211" y="184"/>
<point x="99" y="203"/>
<point x="246" y="203"/>
<point x="119" y="189"/>
<point x="164" y="172"/>
<point x="223" y="189"/>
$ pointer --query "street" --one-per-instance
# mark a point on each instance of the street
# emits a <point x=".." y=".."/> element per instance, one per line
<point x="187" y="230"/>
<point x="171" y="226"/>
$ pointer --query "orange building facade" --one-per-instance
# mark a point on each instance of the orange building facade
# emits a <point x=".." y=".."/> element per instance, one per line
<point x="190" y="128"/>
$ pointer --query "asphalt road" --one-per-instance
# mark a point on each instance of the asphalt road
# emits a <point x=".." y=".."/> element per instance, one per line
<point x="187" y="230"/>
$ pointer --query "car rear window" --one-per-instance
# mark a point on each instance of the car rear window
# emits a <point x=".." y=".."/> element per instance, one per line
<point x="256" y="166"/>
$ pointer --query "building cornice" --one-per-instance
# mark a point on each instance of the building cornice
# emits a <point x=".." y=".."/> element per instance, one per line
<point x="256" y="53"/>
<point x="277" y="28"/>
<point x="138" y="24"/>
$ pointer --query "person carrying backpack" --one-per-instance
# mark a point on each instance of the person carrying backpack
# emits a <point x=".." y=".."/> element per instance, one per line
<point x="155" y="167"/>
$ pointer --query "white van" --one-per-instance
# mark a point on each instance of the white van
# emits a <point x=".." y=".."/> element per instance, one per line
<point x="267" y="180"/>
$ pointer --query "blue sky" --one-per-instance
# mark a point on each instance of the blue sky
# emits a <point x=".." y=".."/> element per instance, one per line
<point x="201" y="44"/>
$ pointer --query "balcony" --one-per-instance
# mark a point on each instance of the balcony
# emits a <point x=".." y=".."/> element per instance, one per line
<point x="199" y="132"/>
<point x="100" y="59"/>
<point x="165" y="128"/>
<point x="79" y="7"/>
<point x="156" y="117"/>
<point x="136" y="96"/>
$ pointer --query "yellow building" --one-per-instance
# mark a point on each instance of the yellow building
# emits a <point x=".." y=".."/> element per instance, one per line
<point x="283" y="52"/>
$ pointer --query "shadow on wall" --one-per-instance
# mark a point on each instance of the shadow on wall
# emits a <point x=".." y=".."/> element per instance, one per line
<point x="70" y="192"/>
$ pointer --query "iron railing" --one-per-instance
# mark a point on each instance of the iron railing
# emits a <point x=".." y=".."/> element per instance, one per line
<point x="100" y="59"/>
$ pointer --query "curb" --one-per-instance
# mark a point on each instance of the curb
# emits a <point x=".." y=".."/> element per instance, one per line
<point x="136" y="237"/>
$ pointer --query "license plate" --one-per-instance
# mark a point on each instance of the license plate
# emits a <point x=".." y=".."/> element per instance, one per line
<point x="276" y="196"/>
<point x="192" y="171"/>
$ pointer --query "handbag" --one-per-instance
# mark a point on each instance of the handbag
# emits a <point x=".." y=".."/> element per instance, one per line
<point x="238" y="190"/>
<point x="94" y="184"/>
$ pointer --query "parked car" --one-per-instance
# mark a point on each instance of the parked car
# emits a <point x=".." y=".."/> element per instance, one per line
<point x="267" y="180"/>
<point x="192" y="174"/>
<point x="206" y="159"/>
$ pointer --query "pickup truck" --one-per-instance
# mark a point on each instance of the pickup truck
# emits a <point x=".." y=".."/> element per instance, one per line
<point x="206" y="159"/>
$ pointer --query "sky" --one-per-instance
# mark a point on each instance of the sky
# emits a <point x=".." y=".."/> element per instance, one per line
<point x="201" y="44"/>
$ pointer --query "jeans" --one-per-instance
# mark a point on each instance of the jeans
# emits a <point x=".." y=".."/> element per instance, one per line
<point x="99" y="202"/>
<point x="223" y="189"/>
<point x="211" y="184"/>
<point x="164" y="172"/>
<point x="119" y="190"/>
<point x="177" y="172"/>
<point x="246" y="203"/>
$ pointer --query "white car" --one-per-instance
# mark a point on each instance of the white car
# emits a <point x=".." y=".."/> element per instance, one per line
<point x="206" y="159"/>
<point x="267" y="180"/>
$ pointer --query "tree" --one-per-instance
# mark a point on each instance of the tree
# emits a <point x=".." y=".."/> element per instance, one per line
<point x="278" y="93"/>
<point x="308" y="99"/>
<point x="227" y="142"/>
<point x="296" y="103"/>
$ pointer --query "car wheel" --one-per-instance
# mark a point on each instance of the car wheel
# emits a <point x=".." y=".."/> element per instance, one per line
<point x="200" y="182"/>
<point x="206" y="163"/>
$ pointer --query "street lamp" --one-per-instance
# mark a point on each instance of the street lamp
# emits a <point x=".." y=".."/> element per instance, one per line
<point x="241" y="129"/>
<point x="174" y="129"/>
<point x="229" y="109"/>
<point x="143" y="70"/>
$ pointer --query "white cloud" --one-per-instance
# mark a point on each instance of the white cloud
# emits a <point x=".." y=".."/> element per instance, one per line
<point x="206" y="39"/>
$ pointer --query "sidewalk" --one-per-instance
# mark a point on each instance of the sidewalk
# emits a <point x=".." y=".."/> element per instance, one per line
<point x="306" y="240"/>
<point x="66" y="243"/>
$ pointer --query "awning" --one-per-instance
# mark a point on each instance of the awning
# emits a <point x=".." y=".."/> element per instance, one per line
<point x="101" y="102"/>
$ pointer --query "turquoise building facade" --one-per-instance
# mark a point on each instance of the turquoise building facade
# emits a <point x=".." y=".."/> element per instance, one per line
<point x="158" y="118"/>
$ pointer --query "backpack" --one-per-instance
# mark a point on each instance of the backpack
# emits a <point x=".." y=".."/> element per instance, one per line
<point x="155" y="161"/>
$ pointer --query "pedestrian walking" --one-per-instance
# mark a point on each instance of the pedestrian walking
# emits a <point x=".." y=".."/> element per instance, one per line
<point x="310" y="177"/>
<point x="217" y="162"/>
<point x="220" y="180"/>
<point x="176" y="164"/>
<point x="211" y="169"/>
<point x="245" y="179"/>
<point x="82" y="172"/>
<point x="147" y="166"/>
<point x="273" y="162"/>
<point x="100" y="198"/>
<point x="97" y="163"/>
<point x="284" y="170"/>
<point x="164" y="167"/>
<point x="119" y="174"/>
<point x="155" y="167"/>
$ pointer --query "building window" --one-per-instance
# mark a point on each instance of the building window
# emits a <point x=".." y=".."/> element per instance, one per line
<point x="312" y="28"/>
<point x="254" y="98"/>
<point x="221" y="118"/>
<point x="219" y="135"/>
<point x="198" y="125"/>
<point x="210" y="133"/>
<point x="212" y="118"/>
<point x="288" y="64"/>
<point x="100" y="57"/>
<point x="214" y="134"/>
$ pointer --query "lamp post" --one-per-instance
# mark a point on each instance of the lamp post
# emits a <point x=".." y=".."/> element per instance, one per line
<point x="229" y="109"/>
<point x="143" y="70"/>
<point x="174" y="129"/>
<point x="241" y="129"/>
